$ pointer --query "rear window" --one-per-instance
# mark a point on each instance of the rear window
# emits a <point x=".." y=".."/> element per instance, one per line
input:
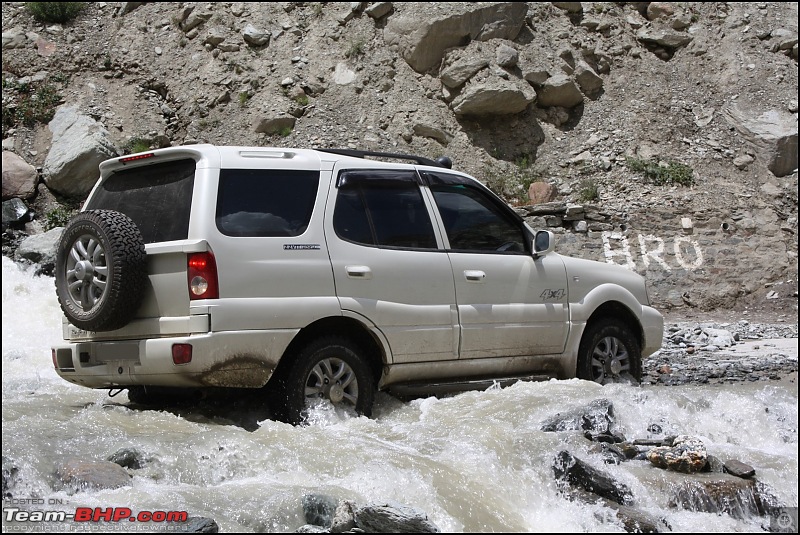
<point x="157" y="197"/>
<point x="265" y="202"/>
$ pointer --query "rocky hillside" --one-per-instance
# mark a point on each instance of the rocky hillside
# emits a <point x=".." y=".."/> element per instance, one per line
<point x="661" y="136"/>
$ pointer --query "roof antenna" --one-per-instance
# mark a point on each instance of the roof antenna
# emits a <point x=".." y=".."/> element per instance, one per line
<point x="445" y="162"/>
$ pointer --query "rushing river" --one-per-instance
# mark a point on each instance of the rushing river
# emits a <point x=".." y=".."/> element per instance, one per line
<point x="475" y="462"/>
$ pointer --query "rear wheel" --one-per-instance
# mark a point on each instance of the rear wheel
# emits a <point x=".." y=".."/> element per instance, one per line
<point x="609" y="353"/>
<point x="330" y="370"/>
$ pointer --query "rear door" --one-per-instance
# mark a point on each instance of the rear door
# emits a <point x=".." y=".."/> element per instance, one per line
<point x="508" y="303"/>
<point x="388" y="264"/>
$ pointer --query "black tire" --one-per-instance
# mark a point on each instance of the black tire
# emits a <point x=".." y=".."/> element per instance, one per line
<point x="332" y="369"/>
<point x="609" y="353"/>
<point x="101" y="270"/>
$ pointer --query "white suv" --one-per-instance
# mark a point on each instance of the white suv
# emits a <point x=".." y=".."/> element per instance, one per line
<point x="325" y="275"/>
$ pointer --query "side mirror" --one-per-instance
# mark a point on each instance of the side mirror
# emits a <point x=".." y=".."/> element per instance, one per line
<point x="543" y="243"/>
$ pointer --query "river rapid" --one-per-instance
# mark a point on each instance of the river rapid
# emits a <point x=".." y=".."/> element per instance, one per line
<point x="475" y="462"/>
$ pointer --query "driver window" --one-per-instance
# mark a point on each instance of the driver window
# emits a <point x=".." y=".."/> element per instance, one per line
<point x="474" y="222"/>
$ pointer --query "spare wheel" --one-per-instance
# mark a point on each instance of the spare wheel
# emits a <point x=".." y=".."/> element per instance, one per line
<point x="101" y="270"/>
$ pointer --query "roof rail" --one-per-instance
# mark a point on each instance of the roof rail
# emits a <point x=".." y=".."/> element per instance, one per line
<point x="442" y="161"/>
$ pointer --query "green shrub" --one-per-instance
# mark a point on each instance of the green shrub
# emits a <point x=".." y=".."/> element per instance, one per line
<point x="58" y="217"/>
<point x="662" y="174"/>
<point x="286" y="131"/>
<point x="356" y="49"/>
<point x="137" y="144"/>
<point x="60" y="12"/>
<point x="588" y="191"/>
<point x="27" y="104"/>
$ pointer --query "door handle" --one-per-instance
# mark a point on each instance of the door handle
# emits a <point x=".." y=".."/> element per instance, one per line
<point x="474" y="275"/>
<point x="358" y="272"/>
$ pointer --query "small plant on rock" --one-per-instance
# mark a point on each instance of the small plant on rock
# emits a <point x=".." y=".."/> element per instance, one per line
<point x="588" y="191"/>
<point x="136" y="144"/>
<point x="58" y="217"/>
<point x="662" y="173"/>
<point x="58" y="12"/>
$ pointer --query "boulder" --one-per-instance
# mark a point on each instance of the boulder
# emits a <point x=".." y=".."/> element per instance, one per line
<point x="597" y="417"/>
<point x="391" y="517"/>
<point x="773" y="135"/>
<point x="494" y="97"/>
<point x="84" y="475"/>
<point x="578" y="474"/>
<point x="79" y="145"/>
<point x="319" y="509"/>
<point x="462" y="70"/>
<point x="589" y="81"/>
<point x="378" y="10"/>
<point x="663" y="37"/>
<point x="274" y="125"/>
<point x="343" y="518"/>
<point x="559" y="90"/>
<point x="569" y="7"/>
<point x="687" y="455"/>
<point x="739" y="469"/>
<point x="542" y="192"/>
<point x="657" y="10"/>
<point x="506" y="56"/>
<point x="254" y="36"/>
<point x="19" y="177"/>
<point x="433" y="132"/>
<point x="422" y="40"/>
<point x="723" y="493"/>
<point x="41" y="249"/>
<point x="15" y="213"/>
<point x="129" y="458"/>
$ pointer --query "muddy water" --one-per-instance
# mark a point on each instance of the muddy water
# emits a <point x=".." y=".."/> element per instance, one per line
<point x="476" y="462"/>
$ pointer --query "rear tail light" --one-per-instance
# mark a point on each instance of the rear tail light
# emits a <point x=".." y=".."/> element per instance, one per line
<point x="127" y="159"/>
<point x="202" y="275"/>
<point x="181" y="353"/>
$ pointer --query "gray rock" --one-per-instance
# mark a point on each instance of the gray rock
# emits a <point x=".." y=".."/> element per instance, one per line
<point x="559" y="90"/>
<point x="195" y="524"/>
<point x="319" y="509"/>
<point x="14" y="211"/>
<point x="215" y="36"/>
<point x="344" y="517"/>
<point x="129" y="458"/>
<point x="254" y="36"/>
<point x="537" y="76"/>
<point x="574" y="472"/>
<point x="311" y="528"/>
<point x="378" y="10"/>
<point x="459" y="72"/>
<point x="743" y="161"/>
<point x="85" y="475"/>
<point x="663" y="37"/>
<point x="657" y="10"/>
<point x="423" y="40"/>
<point x="434" y="132"/>
<point x="14" y="39"/>
<point x="194" y="20"/>
<point x="343" y="74"/>
<point x="773" y="135"/>
<point x="597" y="417"/>
<point x="569" y="7"/>
<point x="739" y="469"/>
<point x="496" y="97"/>
<point x="79" y="145"/>
<point x="41" y="248"/>
<point x="19" y="177"/>
<point x="9" y="470"/>
<point x="588" y="80"/>
<point x="392" y="517"/>
<point x="506" y="56"/>
<point x="274" y="125"/>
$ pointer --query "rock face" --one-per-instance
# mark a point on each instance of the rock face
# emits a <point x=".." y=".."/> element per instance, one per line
<point x="423" y="40"/>
<point x="19" y="177"/>
<point x="80" y="144"/>
<point x="773" y="135"/>
<point x="497" y="97"/>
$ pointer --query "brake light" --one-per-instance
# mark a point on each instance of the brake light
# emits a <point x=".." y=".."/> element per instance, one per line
<point x="202" y="275"/>
<point x="181" y="353"/>
<point x="127" y="159"/>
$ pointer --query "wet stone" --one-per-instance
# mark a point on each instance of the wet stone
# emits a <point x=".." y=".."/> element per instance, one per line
<point x="597" y="417"/>
<point x="687" y="455"/>
<point x="318" y="509"/>
<point x="578" y="474"/>
<point x="739" y="469"/>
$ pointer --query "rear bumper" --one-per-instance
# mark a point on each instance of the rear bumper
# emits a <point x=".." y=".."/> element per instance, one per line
<point x="240" y="359"/>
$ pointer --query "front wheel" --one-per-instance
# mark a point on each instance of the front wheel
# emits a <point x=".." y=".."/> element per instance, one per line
<point x="609" y="353"/>
<point x="330" y="370"/>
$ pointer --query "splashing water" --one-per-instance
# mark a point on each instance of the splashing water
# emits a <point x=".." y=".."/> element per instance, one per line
<point x="475" y="462"/>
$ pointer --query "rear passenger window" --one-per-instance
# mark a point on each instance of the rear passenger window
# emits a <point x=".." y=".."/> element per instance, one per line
<point x="382" y="208"/>
<point x="265" y="202"/>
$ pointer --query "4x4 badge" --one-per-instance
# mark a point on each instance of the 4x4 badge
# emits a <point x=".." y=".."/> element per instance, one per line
<point x="552" y="295"/>
<point x="300" y="246"/>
